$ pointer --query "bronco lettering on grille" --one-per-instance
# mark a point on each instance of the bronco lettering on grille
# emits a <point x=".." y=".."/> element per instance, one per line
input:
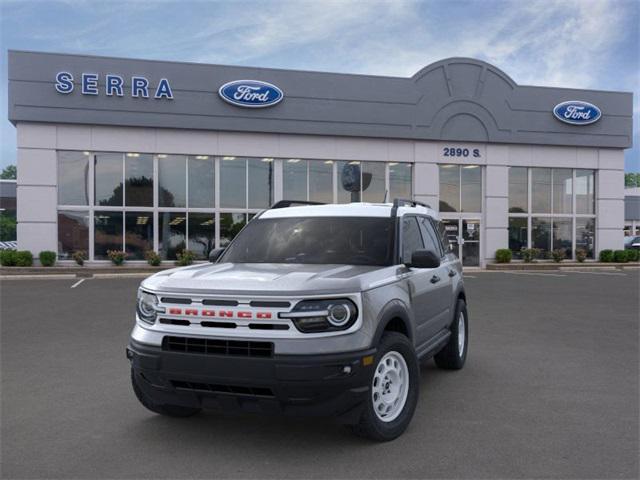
<point x="244" y="314"/>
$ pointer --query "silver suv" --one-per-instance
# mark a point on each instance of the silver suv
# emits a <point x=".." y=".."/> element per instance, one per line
<point x="314" y="310"/>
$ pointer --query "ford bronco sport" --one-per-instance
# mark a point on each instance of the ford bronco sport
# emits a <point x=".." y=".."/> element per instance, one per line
<point x="314" y="309"/>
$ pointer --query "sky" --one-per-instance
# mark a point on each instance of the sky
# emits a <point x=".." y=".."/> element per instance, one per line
<point x="566" y="43"/>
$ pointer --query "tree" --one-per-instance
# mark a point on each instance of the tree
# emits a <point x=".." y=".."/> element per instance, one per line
<point x="632" y="180"/>
<point x="9" y="173"/>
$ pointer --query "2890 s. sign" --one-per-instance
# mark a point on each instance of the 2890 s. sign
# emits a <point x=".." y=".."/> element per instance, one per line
<point x="250" y="93"/>
<point x="577" y="112"/>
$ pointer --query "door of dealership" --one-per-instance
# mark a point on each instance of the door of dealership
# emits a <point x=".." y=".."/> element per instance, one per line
<point x="464" y="237"/>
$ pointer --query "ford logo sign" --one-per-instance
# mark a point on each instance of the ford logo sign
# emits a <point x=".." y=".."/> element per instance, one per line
<point x="576" y="112"/>
<point x="250" y="93"/>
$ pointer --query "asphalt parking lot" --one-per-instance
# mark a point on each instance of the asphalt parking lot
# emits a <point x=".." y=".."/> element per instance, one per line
<point x="550" y="390"/>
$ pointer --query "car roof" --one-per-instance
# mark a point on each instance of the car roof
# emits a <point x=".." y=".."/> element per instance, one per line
<point x="355" y="209"/>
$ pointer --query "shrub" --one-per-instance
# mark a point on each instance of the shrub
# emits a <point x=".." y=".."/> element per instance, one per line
<point x="117" y="256"/>
<point x="47" y="258"/>
<point x="503" y="255"/>
<point x="633" y="255"/>
<point x="530" y="254"/>
<point x="185" y="258"/>
<point x="558" y="255"/>
<point x="620" y="256"/>
<point x="24" y="258"/>
<point x="581" y="254"/>
<point x="7" y="258"/>
<point x="79" y="256"/>
<point x="153" y="258"/>
<point x="606" y="256"/>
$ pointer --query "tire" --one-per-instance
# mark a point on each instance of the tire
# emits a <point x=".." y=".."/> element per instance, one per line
<point x="454" y="353"/>
<point x="395" y="354"/>
<point x="167" y="410"/>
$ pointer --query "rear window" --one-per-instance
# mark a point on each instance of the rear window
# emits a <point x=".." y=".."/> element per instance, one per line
<point x="315" y="240"/>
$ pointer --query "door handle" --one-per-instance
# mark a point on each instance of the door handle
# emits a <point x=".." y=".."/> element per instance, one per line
<point x="435" y="279"/>
<point x="452" y="273"/>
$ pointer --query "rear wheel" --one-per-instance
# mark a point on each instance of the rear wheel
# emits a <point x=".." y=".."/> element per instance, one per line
<point x="394" y="390"/>
<point x="454" y="353"/>
<point x="168" y="410"/>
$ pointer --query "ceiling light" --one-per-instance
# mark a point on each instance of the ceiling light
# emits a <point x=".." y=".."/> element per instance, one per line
<point x="133" y="155"/>
<point x="162" y="155"/>
<point x="85" y="153"/>
<point x="202" y="157"/>
<point x="448" y="166"/>
<point x="354" y="163"/>
<point x="267" y="159"/>
<point x="328" y="162"/>
<point x="293" y="160"/>
<point x="470" y="166"/>
<point x="228" y="158"/>
<point x="393" y="164"/>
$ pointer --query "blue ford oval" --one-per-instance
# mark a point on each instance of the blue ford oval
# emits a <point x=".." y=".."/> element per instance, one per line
<point x="250" y="93"/>
<point x="577" y="112"/>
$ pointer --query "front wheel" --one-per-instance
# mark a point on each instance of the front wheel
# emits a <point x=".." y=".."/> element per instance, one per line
<point x="394" y="390"/>
<point x="454" y="353"/>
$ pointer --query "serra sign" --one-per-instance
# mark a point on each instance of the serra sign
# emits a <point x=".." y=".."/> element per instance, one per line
<point x="113" y="85"/>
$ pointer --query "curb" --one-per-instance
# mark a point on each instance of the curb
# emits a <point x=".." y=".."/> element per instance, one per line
<point x="561" y="266"/>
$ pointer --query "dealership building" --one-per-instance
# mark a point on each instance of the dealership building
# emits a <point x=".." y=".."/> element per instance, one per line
<point x="137" y="155"/>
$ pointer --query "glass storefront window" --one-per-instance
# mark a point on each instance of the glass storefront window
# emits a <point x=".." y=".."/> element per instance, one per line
<point x="541" y="235"/>
<point x="172" y="185"/>
<point x="108" y="179"/>
<point x="541" y="190"/>
<point x="585" y="192"/>
<point x="562" y="235"/>
<point x="73" y="233"/>
<point x="260" y="182"/>
<point x="73" y="178"/>
<point x="400" y="179"/>
<point x="562" y="190"/>
<point x="230" y="226"/>
<point x="138" y="236"/>
<point x="202" y="234"/>
<point x="201" y="181"/>
<point x="172" y="234"/>
<point x="585" y="235"/>
<point x="517" y="235"/>
<point x="518" y="190"/>
<point x="449" y="188"/>
<point x="138" y="175"/>
<point x="349" y="176"/>
<point x="233" y="182"/>
<point x="107" y="233"/>
<point x="471" y="188"/>
<point x="373" y="181"/>
<point x="294" y="178"/>
<point x="321" y="181"/>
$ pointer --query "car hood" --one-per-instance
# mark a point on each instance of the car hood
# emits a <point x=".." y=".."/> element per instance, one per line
<point x="269" y="278"/>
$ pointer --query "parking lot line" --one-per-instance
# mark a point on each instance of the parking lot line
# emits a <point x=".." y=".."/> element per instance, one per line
<point x="538" y="274"/>
<point x="78" y="283"/>
<point x="599" y="273"/>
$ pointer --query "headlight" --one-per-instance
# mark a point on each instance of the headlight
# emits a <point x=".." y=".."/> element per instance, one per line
<point x="147" y="306"/>
<point x="313" y="316"/>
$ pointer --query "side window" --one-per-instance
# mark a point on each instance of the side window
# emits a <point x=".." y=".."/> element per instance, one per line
<point x="431" y="241"/>
<point x="411" y="238"/>
<point x="444" y="238"/>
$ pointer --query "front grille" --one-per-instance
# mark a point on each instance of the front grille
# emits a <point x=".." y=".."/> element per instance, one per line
<point x="208" y="346"/>
<point x="215" y="388"/>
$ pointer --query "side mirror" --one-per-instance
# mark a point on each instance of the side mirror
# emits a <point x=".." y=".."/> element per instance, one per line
<point x="424" y="259"/>
<point x="215" y="254"/>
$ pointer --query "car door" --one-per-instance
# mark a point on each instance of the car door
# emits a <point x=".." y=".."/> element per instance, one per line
<point x="422" y="282"/>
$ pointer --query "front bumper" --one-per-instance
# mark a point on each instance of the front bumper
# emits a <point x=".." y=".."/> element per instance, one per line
<point x="316" y="385"/>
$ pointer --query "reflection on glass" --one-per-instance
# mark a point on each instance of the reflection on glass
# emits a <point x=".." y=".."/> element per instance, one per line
<point x="451" y="232"/>
<point x="108" y="233"/>
<point x="73" y="178"/>
<point x="230" y="226"/>
<point x="541" y="190"/>
<point x="541" y="235"/>
<point x="202" y="234"/>
<point x="517" y="236"/>
<point x="260" y="182"/>
<point x="233" y="182"/>
<point x="138" y="234"/>
<point x="201" y="181"/>
<point x="518" y="190"/>
<point x="585" y="235"/>
<point x="138" y="170"/>
<point x="294" y="179"/>
<point x="373" y="183"/>
<point x="471" y="188"/>
<point x="171" y="234"/>
<point x="562" y="234"/>
<point x="321" y="181"/>
<point x="73" y="233"/>
<point x="449" y="188"/>
<point x="400" y="180"/>
<point x="585" y="192"/>
<point x="108" y="179"/>
<point x="562" y="190"/>
<point x="172" y="181"/>
<point x="349" y="176"/>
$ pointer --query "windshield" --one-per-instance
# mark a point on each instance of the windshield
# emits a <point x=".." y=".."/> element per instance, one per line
<point x="318" y="240"/>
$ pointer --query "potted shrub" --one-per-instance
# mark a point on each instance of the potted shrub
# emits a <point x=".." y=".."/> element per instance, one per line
<point x="79" y="256"/>
<point x="24" y="258"/>
<point x="527" y="255"/>
<point x="47" y="258"/>
<point x="620" y="256"/>
<point x="8" y="258"/>
<point x="606" y="256"/>
<point x="558" y="255"/>
<point x="503" y="255"/>
<point x="152" y="258"/>
<point x="581" y="254"/>
<point x="117" y="256"/>
<point x="185" y="258"/>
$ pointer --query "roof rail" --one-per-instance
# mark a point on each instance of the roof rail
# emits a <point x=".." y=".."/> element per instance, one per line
<point x="290" y="203"/>
<point x="402" y="202"/>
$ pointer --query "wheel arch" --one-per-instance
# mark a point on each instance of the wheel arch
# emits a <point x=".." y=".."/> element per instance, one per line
<point x="395" y="318"/>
